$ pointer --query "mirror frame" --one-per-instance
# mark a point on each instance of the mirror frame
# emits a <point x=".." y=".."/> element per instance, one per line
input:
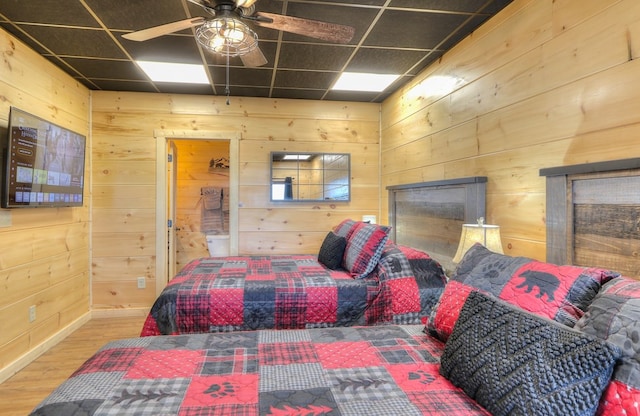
<point x="273" y="176"/>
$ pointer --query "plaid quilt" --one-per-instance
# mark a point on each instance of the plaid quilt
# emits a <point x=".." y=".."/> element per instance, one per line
<point x="374" y="370"/>
<point x="293" y="292"/>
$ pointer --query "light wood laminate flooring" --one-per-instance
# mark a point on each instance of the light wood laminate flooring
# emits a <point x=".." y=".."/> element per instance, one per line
<point x="23" y="391"/>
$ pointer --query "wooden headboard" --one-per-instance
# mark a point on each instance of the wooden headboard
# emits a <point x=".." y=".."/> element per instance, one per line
<point x="429" y="215"/>
<point x="593" y="215"/>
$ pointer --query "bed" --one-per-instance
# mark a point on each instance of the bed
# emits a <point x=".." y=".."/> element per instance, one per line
<point x="371" y="370"/>
<point x="363" y="274"/>
<point x="295" y="291"/>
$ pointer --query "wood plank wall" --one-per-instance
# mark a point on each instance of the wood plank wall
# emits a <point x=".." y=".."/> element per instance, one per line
<point x="543" y="84"/>
<point x="44" y="253"/>
<point x="124" y="177"/>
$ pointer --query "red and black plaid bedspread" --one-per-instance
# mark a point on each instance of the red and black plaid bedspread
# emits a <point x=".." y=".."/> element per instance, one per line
<point x="375" y="370"/>
<point x="291" y="292"/>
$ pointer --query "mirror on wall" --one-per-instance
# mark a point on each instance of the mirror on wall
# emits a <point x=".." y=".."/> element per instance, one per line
<point x="299" y="176"/>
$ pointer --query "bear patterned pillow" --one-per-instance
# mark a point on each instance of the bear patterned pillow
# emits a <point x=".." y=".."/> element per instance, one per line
<point x="561" y="293"/>
<point x="614" y="315"/>
<point x="517" y="363"/>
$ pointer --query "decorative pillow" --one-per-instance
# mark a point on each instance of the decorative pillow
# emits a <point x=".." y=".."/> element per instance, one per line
<point x="516" y="363"/>
<point x="345" y="228"/>
<point x="332" y="250"/>
<point x="561" y="293"/>
<point x="614" y="315"/>
<point x="364" y="247"/>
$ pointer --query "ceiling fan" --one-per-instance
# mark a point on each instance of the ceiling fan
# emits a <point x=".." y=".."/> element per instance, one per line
<point x="226" y="33"/>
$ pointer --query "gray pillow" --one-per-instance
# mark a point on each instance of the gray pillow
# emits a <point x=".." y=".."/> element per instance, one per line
<point x="332" y="250"/>
<point x="516" y="363"/>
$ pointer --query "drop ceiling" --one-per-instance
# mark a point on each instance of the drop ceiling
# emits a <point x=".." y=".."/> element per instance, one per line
<point x="84" y="38"/>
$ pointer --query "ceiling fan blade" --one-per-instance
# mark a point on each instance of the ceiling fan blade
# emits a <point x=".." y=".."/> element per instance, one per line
<point x="254" y="58"/>
<point x="245" y="3"/>
<point x="331" y="32"/>
<point x="204" y="4"/>
<point x="156" y="31"/>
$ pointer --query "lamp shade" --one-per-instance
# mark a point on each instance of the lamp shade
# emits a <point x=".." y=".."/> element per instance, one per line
<point x="487" y="235"/>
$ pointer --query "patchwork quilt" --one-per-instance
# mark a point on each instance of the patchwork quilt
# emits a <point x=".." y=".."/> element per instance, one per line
<point x="293" y="292"/>
<point x="374" y="370"/>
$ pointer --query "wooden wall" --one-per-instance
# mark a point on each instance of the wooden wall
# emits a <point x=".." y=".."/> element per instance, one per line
<point x="545" y="83"/>
<point x="44" y="253"/>
<point x="124" y="177"/>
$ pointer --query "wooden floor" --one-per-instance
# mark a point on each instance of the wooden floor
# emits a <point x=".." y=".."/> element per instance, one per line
<point x="22" y="392"/>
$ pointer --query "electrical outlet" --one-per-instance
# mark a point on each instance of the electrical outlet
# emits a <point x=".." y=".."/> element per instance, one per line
<point x="32" y="313"/>
<point x="142" y="283"/>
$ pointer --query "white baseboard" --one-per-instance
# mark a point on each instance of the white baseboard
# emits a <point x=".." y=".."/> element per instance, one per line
<point x="29" y="357"/>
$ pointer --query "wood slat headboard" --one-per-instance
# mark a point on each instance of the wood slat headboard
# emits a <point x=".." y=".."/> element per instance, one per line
<point x="593" y="215"/>
<point x="429" y="215"/>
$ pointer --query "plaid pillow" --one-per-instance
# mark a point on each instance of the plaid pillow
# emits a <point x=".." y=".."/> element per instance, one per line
<point x="345" y="228"/>
<point x="364" y="248"/>
<point x="614" y="315"/>
<point x="561" y="293"/>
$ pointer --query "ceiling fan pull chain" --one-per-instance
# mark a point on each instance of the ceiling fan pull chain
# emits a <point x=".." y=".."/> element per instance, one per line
<point x="226" y="88"/>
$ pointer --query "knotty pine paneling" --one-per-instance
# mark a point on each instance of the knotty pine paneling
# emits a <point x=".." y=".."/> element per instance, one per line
<point x="44" y="253"/>
<point x="543" y="84"/>
<point x="124" y="126"/>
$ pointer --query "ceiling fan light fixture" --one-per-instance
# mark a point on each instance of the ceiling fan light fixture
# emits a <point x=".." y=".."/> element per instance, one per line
<point x="227" y="36"/>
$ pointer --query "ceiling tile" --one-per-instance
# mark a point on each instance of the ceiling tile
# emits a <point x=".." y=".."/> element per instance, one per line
<point x="239" y="76"/>
<point x="56" y="12"/>
<point x="75" y="42"/>
<point x="384" y="61"/>
<point x="138" y="14"/>
<point x="305" y="79"/>
<point x="84" y="38"/>
<point x="100" y="68"/>
<point x="170" y="48"/>
<point x="310" y="56"/>
<point x="468" y="6"/>
<point x="419" y="30"/>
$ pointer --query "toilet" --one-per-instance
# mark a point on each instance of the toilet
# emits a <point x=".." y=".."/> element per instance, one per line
<point x="218" y="245"/>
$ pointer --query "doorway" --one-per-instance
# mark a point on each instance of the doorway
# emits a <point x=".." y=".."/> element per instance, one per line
<point x="179" y="235"/>
<point x="201" y="188"/>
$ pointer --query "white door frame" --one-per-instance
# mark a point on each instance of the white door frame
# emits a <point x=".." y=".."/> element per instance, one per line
<point x="162" y="242"/>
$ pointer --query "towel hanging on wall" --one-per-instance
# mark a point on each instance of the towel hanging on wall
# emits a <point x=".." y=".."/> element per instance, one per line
<point x="212" y="220"/>
<point x="211" y="197"/>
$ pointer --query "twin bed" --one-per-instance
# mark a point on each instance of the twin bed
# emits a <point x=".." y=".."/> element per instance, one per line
<point x="337" y="333"/>
<point x="293" y="292"/>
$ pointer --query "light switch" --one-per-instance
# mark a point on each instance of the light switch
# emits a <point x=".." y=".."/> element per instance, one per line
<point x="369" y="218"/>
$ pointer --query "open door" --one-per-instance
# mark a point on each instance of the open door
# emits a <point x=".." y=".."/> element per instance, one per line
<point x="166" y="247"/>
<point x="172" y="162"/>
